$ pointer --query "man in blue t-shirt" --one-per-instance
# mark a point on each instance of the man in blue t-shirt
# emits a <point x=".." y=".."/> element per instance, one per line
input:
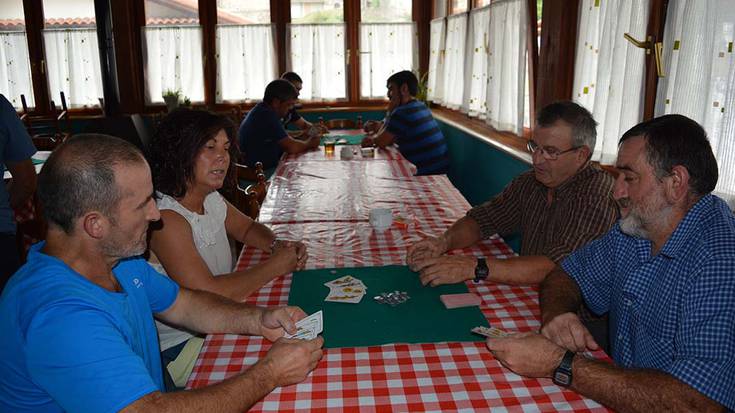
<point x="76" y="321"/>
<point x="664" y="273"/>
<point x="293" y="117"/>
<point x="16" y="149"/>
<point x="409" y="123"/>
<point x="262" y="136"/>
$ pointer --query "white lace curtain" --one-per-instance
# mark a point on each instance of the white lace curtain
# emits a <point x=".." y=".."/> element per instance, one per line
<point x="385" y="48"/>
<point x="479" y="65"/>
<point x="609" y="71"/>
<point x="73" y="66"/>
<point x="173" y="61"/>
<point x="317" y="54"/>
<point x="454" y="56"/>
<point x="246" y="61"/>
<point x="507" y="67"/>
<point x="15" y="69"/>
<point x="699" y="62"/>
<point x="435" y="84"/>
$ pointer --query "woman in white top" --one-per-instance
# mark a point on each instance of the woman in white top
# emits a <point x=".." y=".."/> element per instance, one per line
<point x="190" y="160"/>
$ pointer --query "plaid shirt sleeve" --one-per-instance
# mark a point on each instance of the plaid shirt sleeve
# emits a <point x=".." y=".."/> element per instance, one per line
<point x="596" y="216"/>
<point x="705" y="340"/>
<point x="591" y="267"/>
<point x="502" y="214"/>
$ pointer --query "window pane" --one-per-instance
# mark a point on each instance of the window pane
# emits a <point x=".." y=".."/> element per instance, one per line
<point x="246" y="61"/>
<point x="173" y="51"/>
<point x="385" y="11"/>
<point x="72" y="52"/>
<point x="458" y="6"/>
<point x="480" y="3"/>
<point x="239" y="12"/>
<point x="317" y="11"/>
<point x="15" y="68"/>
<point x="317" y="48"/>
<point x="317" y="54"/>
<point x="385" y="48"/>
<point x="440" y="9"/>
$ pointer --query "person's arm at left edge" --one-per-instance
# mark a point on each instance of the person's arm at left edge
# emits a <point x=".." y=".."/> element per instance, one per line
<point x="206" y="312"/>
<point x="17" y="155"/>
<point x="23" y="184"/>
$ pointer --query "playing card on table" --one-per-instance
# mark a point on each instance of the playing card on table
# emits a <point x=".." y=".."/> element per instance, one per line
<point x="308" y="327"/>
<point x="345" y="281"/>
<point x="336" y="296"/>
<point x="490" y="332"/>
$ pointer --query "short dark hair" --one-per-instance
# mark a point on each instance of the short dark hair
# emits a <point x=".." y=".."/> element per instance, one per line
<point x="79" y="177"/>
<point x="292" y="77"/>
<point x="176" y="143"/>
<point x="677" y="140"/>
<point x="280" y="89"/>
<point x="405" y="77"/>
<point x="584" y="126"/>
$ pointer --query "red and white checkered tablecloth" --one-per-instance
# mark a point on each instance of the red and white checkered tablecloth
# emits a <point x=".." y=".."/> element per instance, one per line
<point x="392" y="377"/>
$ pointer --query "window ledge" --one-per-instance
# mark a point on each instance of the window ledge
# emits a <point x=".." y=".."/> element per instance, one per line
<point x="507" y="142"/>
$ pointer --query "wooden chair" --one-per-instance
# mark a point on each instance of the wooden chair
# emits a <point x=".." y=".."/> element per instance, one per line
<point x="47" y="131"/>
<point x="248" y="203"/>
<point x="340" y="124"/>
<point x="260" y="188"/>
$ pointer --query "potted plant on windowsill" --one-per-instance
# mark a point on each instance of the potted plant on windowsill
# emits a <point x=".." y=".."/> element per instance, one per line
<point x="171" y="97"/>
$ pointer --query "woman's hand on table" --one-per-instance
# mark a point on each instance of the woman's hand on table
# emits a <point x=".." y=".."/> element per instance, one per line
<point x="446" y="269"/>
<point x="567" y="330"/>
<point x="527" y="354"/>
<point x="276" y="321"/>
<point x="367" y="142"/>
<point x="299" y="248"/>
<point x="426" y="248"/>
<point x="371" y="126"/>
<point x="289" y="361"/>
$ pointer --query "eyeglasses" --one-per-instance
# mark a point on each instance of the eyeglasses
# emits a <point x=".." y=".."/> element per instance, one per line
<point x="549" y="153"/>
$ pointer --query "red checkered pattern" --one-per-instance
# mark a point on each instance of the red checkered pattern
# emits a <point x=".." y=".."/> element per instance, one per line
<point x="393" y="377"/>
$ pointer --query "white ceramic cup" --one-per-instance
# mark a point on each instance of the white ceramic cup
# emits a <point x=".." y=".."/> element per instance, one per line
<point x="346" y="153"/>
<point x="381" y="218"/>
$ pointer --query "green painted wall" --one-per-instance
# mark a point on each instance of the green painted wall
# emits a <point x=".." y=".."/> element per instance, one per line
<point x="479" y="170"/>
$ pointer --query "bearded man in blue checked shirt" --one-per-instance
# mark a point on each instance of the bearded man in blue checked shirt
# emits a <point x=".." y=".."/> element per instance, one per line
<point x="666" y="275"/>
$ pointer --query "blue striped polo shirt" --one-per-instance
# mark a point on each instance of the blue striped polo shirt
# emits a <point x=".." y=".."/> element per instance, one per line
<point x="419" y="138"/>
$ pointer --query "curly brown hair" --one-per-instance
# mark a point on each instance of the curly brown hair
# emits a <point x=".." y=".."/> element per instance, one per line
<point x="176" y="143"/>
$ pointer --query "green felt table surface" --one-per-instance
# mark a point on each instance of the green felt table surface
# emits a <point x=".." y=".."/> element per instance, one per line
<point x="421" y="319"/>
<point x="344" y="139"/>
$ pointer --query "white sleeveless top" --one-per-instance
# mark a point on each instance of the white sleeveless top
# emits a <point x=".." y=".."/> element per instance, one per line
<point x="210" y="240"/>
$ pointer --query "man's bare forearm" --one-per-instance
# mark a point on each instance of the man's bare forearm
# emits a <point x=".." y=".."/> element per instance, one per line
<point x="525" y="270"/>
<point x="236" y="394"/>
<point x="206" y="312"/>
<point x="463" y="233"/>
<point x="637" y="390"/>
<point x="559" y="294"/>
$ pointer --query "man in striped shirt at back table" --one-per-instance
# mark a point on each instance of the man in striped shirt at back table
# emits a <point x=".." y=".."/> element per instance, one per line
<point x="410" y="124"/>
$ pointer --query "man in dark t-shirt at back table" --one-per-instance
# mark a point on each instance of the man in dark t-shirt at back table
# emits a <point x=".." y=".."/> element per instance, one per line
<point x="262" y="136"/>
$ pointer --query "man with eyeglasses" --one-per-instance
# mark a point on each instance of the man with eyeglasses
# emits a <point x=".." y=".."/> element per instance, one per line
<point x="563" y="203"/>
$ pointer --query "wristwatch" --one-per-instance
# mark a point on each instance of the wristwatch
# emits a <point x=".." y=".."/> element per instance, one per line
<point x="481" y="270"/>
<point x="563" y="373"/>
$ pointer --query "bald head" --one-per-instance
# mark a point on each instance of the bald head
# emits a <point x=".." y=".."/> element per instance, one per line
<point x="79" y="177"/>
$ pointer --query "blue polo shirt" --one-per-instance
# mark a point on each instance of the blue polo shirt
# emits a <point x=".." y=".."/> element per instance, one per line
<point x="15" y="146"/>
<point x="675" y="311"/>
<point x="67" y="344"/>
<point x="419" y="138"/>
<point x="259" y="135"/>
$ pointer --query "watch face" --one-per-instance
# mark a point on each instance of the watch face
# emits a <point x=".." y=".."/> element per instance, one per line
<point x="562" y="378"/>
